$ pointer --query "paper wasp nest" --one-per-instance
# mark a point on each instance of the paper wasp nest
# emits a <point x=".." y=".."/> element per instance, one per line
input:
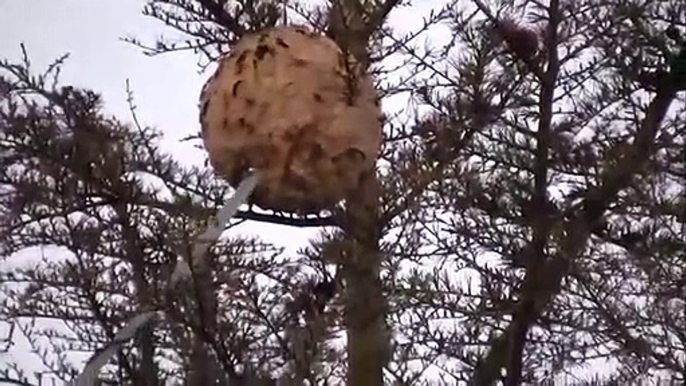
<point x="284" y="102"/>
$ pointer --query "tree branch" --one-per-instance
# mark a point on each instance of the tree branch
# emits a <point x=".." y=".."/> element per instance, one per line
<point x="575" y="233"/>
<point x="222" y="17"/>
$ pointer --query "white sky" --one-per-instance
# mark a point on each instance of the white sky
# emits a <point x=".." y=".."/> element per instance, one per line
<point x="166" y="87"/>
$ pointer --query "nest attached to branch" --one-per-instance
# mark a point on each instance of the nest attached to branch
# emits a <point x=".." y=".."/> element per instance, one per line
<point x="290" y="104"/>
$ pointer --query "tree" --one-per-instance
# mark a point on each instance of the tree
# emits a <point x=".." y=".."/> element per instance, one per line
<point x="527" y="219"/>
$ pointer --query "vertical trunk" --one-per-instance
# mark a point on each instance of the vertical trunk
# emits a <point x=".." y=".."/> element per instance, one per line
<point x="146" y="374"/>
<point x="148" y="370"/>
<point x="523" y="318"/>
<point x="364" y="301"/>
<point x="200" y="370"/>
<point x="204" y="367"/>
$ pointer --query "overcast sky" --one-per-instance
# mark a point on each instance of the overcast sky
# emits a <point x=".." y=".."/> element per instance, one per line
<point x="166" y="87"/>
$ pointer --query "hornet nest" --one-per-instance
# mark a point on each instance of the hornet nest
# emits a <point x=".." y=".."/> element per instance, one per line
<point x="290" y="104"/>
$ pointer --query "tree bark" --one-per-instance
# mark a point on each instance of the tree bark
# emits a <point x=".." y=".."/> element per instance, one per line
<point x="146" y="374"/>
<point x="205" y="369"/>
<point x="364" y="301"/>
<point x="351" y="23"/>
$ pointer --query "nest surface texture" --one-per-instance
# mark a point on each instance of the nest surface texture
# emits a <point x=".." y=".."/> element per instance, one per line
<point x="290" y="104"/>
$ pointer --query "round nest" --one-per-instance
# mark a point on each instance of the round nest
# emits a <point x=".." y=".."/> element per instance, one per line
<point x="290" y="104"/>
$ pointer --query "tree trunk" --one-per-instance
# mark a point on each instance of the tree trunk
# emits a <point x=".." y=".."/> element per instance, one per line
<point x="200" y="370"/>
<point x="367" y="336"/>
<point x="146" y="373"/>
<point x="364" y="301"/>
<point x="205" y="369"/>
